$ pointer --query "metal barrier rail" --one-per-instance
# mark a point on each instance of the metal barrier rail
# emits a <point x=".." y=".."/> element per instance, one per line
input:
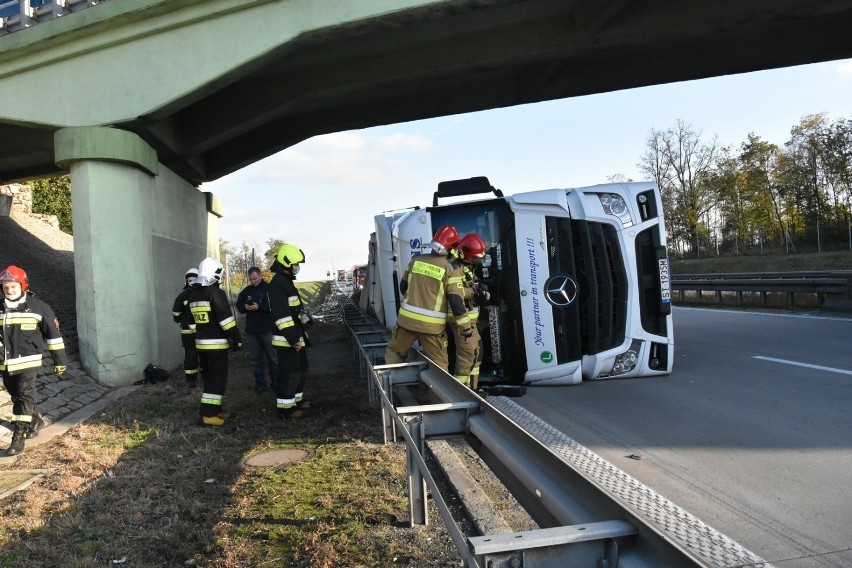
<point x="832" y="288"/>
<point x="28" y="15"/>
<point x="592" y="514"/>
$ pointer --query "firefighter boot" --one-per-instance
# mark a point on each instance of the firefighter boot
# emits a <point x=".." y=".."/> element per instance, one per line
<point x="289" y="413"/>
<point x="36" y="425"/>
<point x="17" y="444"/>
<point x="212" y="421"/>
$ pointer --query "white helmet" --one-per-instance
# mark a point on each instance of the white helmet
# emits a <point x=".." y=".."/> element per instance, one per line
<point x="191" y="275"/>
<point x="210" y="271"/>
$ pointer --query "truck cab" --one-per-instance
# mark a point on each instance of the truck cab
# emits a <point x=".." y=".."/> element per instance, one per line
<point x="578" y="278"/>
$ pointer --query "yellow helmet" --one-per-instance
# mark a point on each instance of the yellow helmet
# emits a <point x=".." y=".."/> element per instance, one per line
<point x="288" y="255"/>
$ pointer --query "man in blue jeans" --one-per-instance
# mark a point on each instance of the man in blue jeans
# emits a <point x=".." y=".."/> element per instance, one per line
<point x="253" y="301"/>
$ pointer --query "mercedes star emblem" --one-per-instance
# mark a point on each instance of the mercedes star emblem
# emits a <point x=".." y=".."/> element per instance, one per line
<point x="560" y="290"/>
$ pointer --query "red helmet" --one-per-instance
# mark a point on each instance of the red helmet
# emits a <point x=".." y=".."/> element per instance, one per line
<point x="14" y="274"/>
<point x="472" y="248"/>
<point x="445" y="240"/>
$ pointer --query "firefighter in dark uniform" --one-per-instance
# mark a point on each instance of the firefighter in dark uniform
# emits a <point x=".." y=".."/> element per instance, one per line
<point x="28" y="326"/>
<point x="431" y="285"/>
<point x="471" y="250"/>
<point x="216" y="331"/>
<point x="290" y="336"/>
<point x="183" y="317"/>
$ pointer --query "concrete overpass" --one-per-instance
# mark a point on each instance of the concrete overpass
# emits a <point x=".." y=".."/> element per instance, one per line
<point x="142" y="100"/>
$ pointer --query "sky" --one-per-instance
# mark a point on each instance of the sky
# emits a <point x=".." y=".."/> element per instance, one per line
<point x="323" y="193"/>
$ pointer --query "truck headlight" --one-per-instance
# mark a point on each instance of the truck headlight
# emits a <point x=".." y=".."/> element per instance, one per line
<point x="627" y="361"/>
<point x="614" y="205"/>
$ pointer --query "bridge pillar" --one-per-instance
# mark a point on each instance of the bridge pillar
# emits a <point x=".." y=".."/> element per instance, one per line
<point x="137" y="227"/>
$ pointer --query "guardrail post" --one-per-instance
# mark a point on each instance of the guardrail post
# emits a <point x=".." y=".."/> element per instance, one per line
<point x="416" y="483"/>
<point x="388" y="426"/>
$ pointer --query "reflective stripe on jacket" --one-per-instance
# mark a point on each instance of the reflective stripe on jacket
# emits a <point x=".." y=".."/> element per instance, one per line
<point x="181" y="313"/>
<point x="286" y="305"/>
<point x="25" y="331"/>
<point x="430" y="279"/>
<point x="215" y="325"/>
<point x="468" y="281"/>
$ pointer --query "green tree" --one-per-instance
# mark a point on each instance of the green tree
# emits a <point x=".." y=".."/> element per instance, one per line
<point x="766" y="206"/>
<point x="52" y="196"/>
<point x="273" y="245"/>
<point x="238" y="259"/>
<point x="725" y="179"/>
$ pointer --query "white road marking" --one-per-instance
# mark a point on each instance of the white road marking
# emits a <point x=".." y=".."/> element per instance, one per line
<point x="808" y="365"/>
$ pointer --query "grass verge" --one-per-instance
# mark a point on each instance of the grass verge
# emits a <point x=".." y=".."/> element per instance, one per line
<point x="143" y="485"/>
<point x="776" y="262"/>
<point x="312" y="292"/>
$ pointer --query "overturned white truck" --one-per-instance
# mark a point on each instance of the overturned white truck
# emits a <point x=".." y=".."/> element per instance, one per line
<point x="578" y="278"/>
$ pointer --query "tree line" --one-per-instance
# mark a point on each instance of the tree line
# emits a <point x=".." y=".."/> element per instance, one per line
<point x="237" y="259"/>
<point x="758" y="195"/>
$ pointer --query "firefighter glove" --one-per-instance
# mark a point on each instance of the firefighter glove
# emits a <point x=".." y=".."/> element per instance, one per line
<point x="235" y="344"/>
<point x="59" y="369"/>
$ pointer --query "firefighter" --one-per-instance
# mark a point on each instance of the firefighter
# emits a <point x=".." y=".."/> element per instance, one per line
<point x="431" y="283"/>
<point x="471" y="250"/>
<point x="28" y="325"/>
<point x="290" y="336"/>
<point x="216" y="331"/>
<point x="183" y="317"/>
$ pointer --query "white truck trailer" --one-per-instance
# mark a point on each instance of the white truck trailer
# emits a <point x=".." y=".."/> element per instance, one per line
<point x="578" y="278"/>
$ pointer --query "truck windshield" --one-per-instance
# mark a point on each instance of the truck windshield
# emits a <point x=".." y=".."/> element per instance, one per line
<point x="478" y="217"/>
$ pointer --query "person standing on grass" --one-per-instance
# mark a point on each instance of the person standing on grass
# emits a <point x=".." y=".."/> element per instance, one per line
<point x="27" y="326"/>
<point x="183" y="317"/>
<point x="290" y="337"/>
<point x="253" y="301"/>
<point x="216" y="331"/>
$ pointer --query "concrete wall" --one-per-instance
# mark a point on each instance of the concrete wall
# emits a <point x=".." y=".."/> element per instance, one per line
<point x="137" y="228"/>
<point x="180" y="225"/>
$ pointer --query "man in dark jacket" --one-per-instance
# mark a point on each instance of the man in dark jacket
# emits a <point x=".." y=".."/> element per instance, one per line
<point x="290" y="336"/>
<point x="27" y="326"/>
<point x="253" y="301"/>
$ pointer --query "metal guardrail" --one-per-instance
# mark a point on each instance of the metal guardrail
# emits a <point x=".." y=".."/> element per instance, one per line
<point x="29" y="13"/>
<point x="591" y="513"/>
<point x="833" y="289"/>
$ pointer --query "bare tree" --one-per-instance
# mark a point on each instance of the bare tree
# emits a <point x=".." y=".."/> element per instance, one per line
<point x="682" y="165"/>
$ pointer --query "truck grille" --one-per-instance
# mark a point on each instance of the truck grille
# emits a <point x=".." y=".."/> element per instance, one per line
<point x="652" y="311"/>
<point x="590" y="253"/>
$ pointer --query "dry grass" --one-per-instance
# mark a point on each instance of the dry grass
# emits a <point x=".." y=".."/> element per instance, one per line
<point x="143" y="485"/>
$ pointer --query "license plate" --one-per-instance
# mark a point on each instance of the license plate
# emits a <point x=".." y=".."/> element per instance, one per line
<point x="665" y="287"/>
